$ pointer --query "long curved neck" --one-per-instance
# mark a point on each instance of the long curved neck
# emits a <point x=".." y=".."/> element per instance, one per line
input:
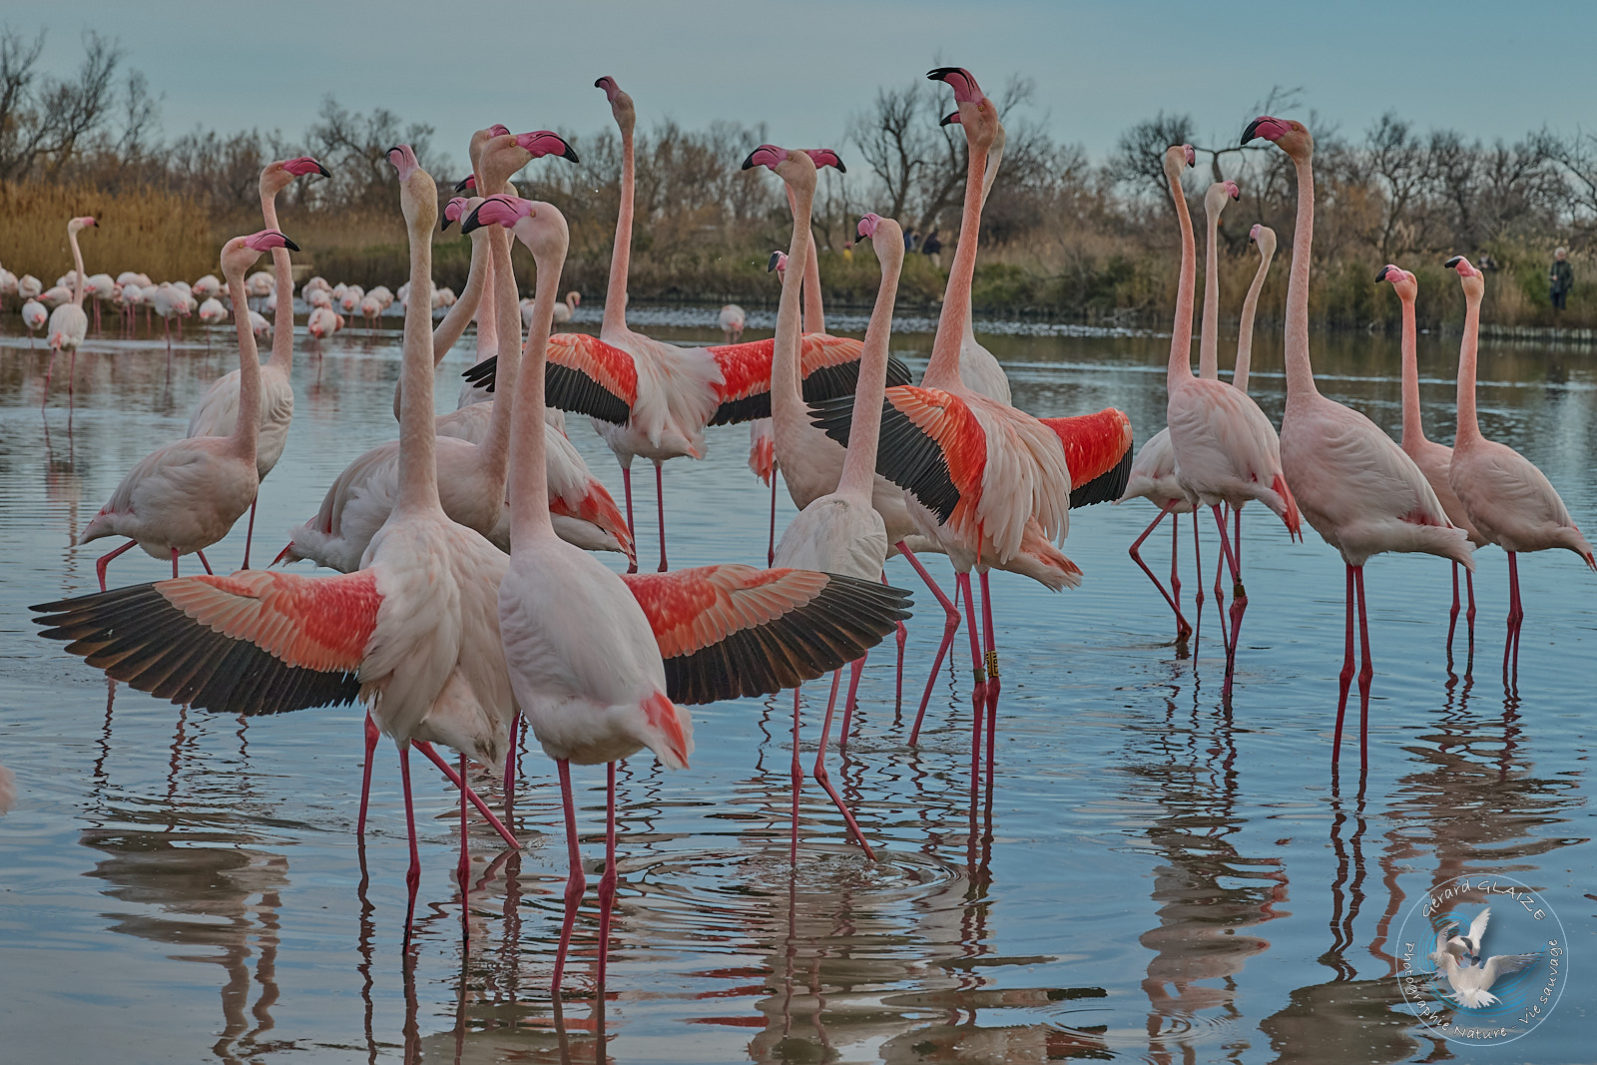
<point x="247" y="424"/>
<point x="1180" y="367"/>
<point x="859" y="466"/>
<point x="1468" y="427"/>
<point x="529" y="478"/>
<point x="495" y="446"/>
<point x="487" y="322"/>
<point x="1299" y="374"/>
<point x="466" y="304"/>
<point x="787" y="400"/>
<point x="77" y="263"/>
<point x="1250" y="305"/>
<point x="283" y="284"/>
<point x="615" y="295"/>
<point x="1413" y="428"/>
<point x="943" y="368"/>
<point x="814" y="316"/>
<point x="418" y="462"/>
<point x="1209" y="335"/>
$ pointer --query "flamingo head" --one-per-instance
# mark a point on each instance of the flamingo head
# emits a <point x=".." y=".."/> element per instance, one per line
<point x="1290" y="135"/>
<point x="795" y="167"/>
<point x="966" y="91"/>
<point x="1218" y="195"/>
<point x="403" y="159"/>
<point x="80" y="223"/>
<point x="950" y="119"/>
<point x="499" y="211"/>
<point x="573" y="299"/>
<point x="1403" y="283"/>
<point x="277" y="176"/>
<point x="766" y="155"/>
<point x="976" y="112"/>
<point x="826" y="157"/>
<point x="1179" y="157"/>
<point x="467" y="184"/>
<point x="538" y="225"/>
<point x="868" y="224"/>
<point x="620" y="103"/>
<point x="418" y="195"/>
<point x="457" y="208"/>
<point x="885" y="236"/>
<point x="778" y="263"/>
<point x="1473" y="280"/>
<point x="542" y="142"/>
<point x="240" y="252"/>
<point x="1264" y="238"/>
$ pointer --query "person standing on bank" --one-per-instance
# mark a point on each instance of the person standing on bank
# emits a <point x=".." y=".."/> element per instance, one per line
<point x="933" y="247"/>
<point x="1561" y="278"/>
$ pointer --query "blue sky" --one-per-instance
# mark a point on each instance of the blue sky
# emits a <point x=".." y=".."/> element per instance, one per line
<point x="1488" y="69"/>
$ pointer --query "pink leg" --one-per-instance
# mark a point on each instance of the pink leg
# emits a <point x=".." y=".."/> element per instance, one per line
<point x="1366" y="671"/>
<point x="950" y="624"/>
<point x="770" y="552"/>
<point x="1345" y="678"/>
<point x="1452" y="615"/>
<point x="72" y="373"/>
<point x="49" y="368"/>
<point x="174" y="564"/>
<point x="463" y="869"/>
<point x="978" y="691"/>
<point x="1239" y="603"/>
<point x="1219" y="572"/>
<point x="510" y="757"/>
<point x="857" y="671"/>
<point x="475" y="799"/>
<point x="413" y="874"/>
<point x="607" y="882"/>
<point x="1469" y="612"/>
<point x="659" y="498"/>
<point x="575" y="882"/>
<point x="1183" y="629"/>
<point x="1516" y="617"/>
<point x="903" y="636"/>
<point x="203" y="561"/>
<point x="626" y="485"/>
<point x="993" y="685"/>
<point x="797" y="775"/>
<point x="105" y="560"/>
<point x="1197" y="561"/>
<point x="824" y="778"/>
<point x="366" y="773"/>
<point x="249" y="533"/>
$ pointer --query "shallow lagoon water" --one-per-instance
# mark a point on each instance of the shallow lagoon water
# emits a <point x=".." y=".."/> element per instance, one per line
<point x="1163" y="878"/>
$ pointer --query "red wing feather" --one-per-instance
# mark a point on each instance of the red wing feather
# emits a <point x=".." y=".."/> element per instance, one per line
<point x="1098" y="452"/>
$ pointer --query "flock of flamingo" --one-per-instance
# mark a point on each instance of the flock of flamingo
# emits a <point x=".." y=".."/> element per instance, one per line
<point x="467" y="595"/>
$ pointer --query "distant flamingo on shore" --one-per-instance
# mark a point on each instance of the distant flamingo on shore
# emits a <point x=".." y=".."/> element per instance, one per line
<point x="68" y="322"/>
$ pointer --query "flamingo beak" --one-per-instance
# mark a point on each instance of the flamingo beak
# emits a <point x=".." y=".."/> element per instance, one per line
<point x="1382" y="275"/>
<point x="776" y="257"/>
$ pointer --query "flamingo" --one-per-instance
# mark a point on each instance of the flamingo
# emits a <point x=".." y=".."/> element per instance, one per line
<point x="414" y="633"/>
<point x="1226" y="450"/>
<point x="212" y="313"/>
<point x="34" y="316"/>
<point x="841" y="532"/>
<point x="68" y="323"/>
<point x="1358" y="489"/>
<point x="1510" y="502"/>
<point x="169" y="302"/>
<point x="217" y="410"/>
<point x="978" y="367"/>
<point x="732" y="319"/>
<point x="29" y="287"/>
<point x="1433" y="459"/>
<point x="323" y="322"/>
<point x="588" y="650"/>
<point x="568" y="306"/>
<point x="185" y="496"/>
<point x="102" y="288"/>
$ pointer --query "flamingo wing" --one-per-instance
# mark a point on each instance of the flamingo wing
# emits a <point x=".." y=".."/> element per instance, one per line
<point x="255" y="642"/>
<point x="828" y="365"/>
<point x="1099" y="452"/>
<point x="584" y="375"/>
<point x="731" y="630"/>
<point x="932" y="445"/>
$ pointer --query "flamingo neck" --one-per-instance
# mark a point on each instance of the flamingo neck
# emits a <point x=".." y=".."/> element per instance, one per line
<point x="1413" y="428"/>
<point x="247" y="424"/>
<point x="1299" y="374"/>
<point x="1180" y="368"/>
<point x="942" y="370"/>
<point x="1250" y="305"/>
<point x="787" y="399"/>
<point x="466" y="304"/>
<point x="487" y="318"/>
<point x="529" y="476"/>
<point x="1209" y="334"/>
<point x="495" y="446"/>
<point x="77" y="263"/>
<point x="1468" y="426"/>
<point x="418" y="438"/>
<point x="859" y="465"/>
<point x="814" y="316"/>
<point x="615" y="294"/>
<point x="283" y="283"/>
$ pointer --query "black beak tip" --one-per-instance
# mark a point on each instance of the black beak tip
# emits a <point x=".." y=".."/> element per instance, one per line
<point x="444" y="228"/>
<point x="1382" y="275"/>
<point x="598" y="83"/>
<point x="323" y="170"/>
<point x="1454" y="261"/>
<point x="570" y="154"/>
<point x="471" y="221"/>
<point x="1250" y="132"/>
<point x="776" y="257"/>
<point x="290" y="245"/>
<point x="948" y="118"/>
<point x="748" y="163"/>
<point x="462" y="184"/>
<point x="841" y="169"/>
<point x="940" y="73"/>
<point x="392" y="150"/>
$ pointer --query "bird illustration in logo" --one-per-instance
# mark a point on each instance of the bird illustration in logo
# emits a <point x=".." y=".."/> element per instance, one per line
<point x="1458" y="958"/>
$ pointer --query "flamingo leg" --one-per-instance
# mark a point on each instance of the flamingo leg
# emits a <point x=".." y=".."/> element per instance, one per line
<point x="174" y="563"/>
<point x="824" y="778"/>
<point x="1345" y="678"/>
<point x="1183" y="629"/>
<point x="993" y="685"/>
<point x="659" y="499"/>
<point x="1469" y="612"/>
<point x="366" y="774"/>
<point x="903" y="637"/>
<point x="856" y="671"/>
<point x="1197" y="562"/>
<point x="626" y="486"/>
<point x="607" y="881"/>
<point x="797" y="775"/>
<point x="510" y="759"/>
<point x="249" y="533"/>
<point x="203" y="561"/>
<point x="105" y="560"/>
<point x="1219" y="572"/>
<point x="463" y="869"/>
<point x="1516" y="617"/>
<point x="575" y="882"/>
<point x="413" y="874"/>
<point x="72" y="373"/>
<point x="49" y="368"/>
<point x="1366" y="672"/>
<point x="770" y="551"/>
<point x="978" y="691"/>
<point x="460" y="782"/>
<point x="1238" y="602"/>
<point x="1452" y="615"/>
<point x="950" y="625"/>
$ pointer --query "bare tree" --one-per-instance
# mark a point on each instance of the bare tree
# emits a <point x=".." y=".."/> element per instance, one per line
<point x="1138" y="159"/>
<point x="44" y="120"/>
<point x="353" y="145"/>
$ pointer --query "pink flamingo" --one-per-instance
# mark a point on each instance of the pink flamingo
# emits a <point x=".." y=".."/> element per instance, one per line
<point x="978" y="367"/>
<point x="732" y="319"/>
<point x="1359" y="490"/>
<point x="217" y="410"/>
<point x="598" y="662"/>
<point x="35" y="317"/>
<point x="414" y="634"/>
<point x="68" y="323"/>
<point x="1226" y="450"/>
<point x="568" y="306"/>
<point x="186" y="496"/>
<point x="1509" y="500"/>
<point x="841" y="532"/>
<point x="1433" y="459"/>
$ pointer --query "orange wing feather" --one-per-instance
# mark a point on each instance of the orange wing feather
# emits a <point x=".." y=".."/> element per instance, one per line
<point x="1097" y="450"/>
